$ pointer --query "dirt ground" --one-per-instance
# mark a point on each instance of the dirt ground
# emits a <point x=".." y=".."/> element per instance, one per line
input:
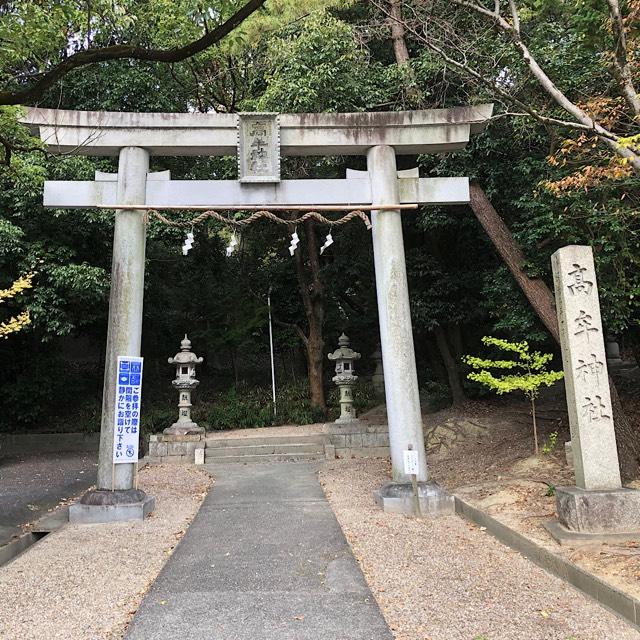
<point x="483" y="452"/>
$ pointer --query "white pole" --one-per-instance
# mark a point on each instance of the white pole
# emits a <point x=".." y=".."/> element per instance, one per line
<point x="396" y="337"/>
<point x="273" y="368"/>
<point x="125" y="305"/>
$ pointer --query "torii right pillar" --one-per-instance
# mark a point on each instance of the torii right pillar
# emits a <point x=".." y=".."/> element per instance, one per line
<point x="398" y="355"/>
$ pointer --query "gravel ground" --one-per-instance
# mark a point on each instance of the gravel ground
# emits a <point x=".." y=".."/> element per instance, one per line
<point x="446" y="579"/>
<point x="63" y="587"/>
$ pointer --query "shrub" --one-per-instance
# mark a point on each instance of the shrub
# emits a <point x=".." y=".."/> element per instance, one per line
<point x="253" y="407"/>
<point x="529" y="373"/>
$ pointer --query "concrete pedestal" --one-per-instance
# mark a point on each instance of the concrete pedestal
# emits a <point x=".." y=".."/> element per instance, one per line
<point x="398" y="497"/>
<point x="171" y="447"/>
<point x="598" y="516"/>
<point x="103" y="506"/>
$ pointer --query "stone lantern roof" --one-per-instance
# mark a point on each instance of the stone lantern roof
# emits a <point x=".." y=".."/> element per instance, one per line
<point x="344" y="352"/>
<point x="185" y="355"/>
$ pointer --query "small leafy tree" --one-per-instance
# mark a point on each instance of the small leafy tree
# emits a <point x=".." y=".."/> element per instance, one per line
<point x="529" y="372"/>
<point x="15" y="323"/>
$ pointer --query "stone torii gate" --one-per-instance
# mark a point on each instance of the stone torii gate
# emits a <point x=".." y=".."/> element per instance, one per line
<point x="259" y="140"/>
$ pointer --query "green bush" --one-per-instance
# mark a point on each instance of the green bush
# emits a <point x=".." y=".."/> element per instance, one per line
<point x="435" y="395"/>
<point x="253" y="407"/>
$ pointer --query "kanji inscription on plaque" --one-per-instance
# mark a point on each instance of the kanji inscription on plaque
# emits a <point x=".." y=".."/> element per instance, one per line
<point x="258" y="147"/>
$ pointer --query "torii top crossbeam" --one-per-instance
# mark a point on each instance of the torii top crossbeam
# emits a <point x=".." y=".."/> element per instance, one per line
<point x="259" y="140"/>
<point x="103" y="133"/>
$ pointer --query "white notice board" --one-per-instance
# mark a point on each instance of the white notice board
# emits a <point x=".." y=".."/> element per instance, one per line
<point x="410" y="462"/>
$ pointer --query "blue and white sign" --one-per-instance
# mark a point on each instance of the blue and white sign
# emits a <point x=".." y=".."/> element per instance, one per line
<point x="127" y="413"/>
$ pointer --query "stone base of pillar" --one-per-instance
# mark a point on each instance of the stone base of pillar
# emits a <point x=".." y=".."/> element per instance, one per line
<point x="184" y="429"/>
<point x="398" y="497"/>
<point x="595" y="516"/>
<point x="101" y="506"/>
<point x="568" y="454"/>
<point x="347" y="420"/>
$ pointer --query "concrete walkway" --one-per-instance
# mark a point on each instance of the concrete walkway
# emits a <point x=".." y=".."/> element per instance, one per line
<point x="264" y="559"/>
<point x="32" y="484"/>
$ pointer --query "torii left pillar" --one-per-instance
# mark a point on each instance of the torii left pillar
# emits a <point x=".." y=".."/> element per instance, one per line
<point x="115" y="497"/>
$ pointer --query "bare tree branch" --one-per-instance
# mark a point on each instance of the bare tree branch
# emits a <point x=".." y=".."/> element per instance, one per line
<point x="397" y="33"/>
<point x="620" y="65"/>
<point x="552" y="90"/>
<point x="582" y="120"/>
<point x="514" y="16"/>
<point x="480" y="78"/>
<point x="123" y="51"/>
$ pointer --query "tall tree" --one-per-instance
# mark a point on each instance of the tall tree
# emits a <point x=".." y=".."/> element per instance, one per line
<point x="44" y="41"/>
<point x="454" y="33"/>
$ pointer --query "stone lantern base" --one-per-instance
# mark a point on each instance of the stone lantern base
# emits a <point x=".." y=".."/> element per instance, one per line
<point x="347" y="419"/>
<point x="183" y="429"/>
<point x="177" y="448"/>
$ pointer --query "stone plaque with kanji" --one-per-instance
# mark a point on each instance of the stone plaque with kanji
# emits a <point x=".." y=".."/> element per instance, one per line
<point x="258" y="147"/>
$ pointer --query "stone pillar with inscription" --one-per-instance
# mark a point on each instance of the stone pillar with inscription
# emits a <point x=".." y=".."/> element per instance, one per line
<point x="597" y="505"/>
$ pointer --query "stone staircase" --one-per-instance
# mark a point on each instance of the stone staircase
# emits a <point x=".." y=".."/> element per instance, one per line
<point x="263" y="448"/>
<point x="288" y="443"/>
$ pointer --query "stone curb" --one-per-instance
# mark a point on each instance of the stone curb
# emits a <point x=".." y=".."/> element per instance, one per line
<point x="15" y="547"/>
<point x="613" y="599"/>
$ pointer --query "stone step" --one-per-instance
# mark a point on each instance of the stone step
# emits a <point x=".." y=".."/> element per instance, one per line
<point x="220" y="443"/>
<point x="264" y="449"/>
<point x="277" y="457"/>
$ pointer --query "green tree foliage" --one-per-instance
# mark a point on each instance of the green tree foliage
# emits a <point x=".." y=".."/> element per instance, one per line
<point x="322" y="55"/>
<point x="527" y="372"/>
<point x="321" y="67"/>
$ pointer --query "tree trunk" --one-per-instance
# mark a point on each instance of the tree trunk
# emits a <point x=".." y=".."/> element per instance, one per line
<point x="543" y="303"/>
<point x="536" y="291"/>
<point x="315" y="364"/>
<point x="453" y="371"/>
<point x="400" y="49"/>
<point x="313" y="296"/>
<point x="536" y="449"/>
<point x="627" y="437"/>
<point x="234" y="366"/>
<point x="435" y="360"/>
<point x="456" y="340"/>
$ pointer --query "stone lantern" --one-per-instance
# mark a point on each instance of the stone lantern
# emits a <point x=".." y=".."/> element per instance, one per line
<point x="185" y="382"/>
<point x="345" y="377"/>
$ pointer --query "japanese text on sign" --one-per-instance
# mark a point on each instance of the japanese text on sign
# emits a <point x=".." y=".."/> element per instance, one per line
<point x="589" y="368"/>
<point x="127" y="410"/>
<point x="410" y="462"/>
<point x="258" y="147"/>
